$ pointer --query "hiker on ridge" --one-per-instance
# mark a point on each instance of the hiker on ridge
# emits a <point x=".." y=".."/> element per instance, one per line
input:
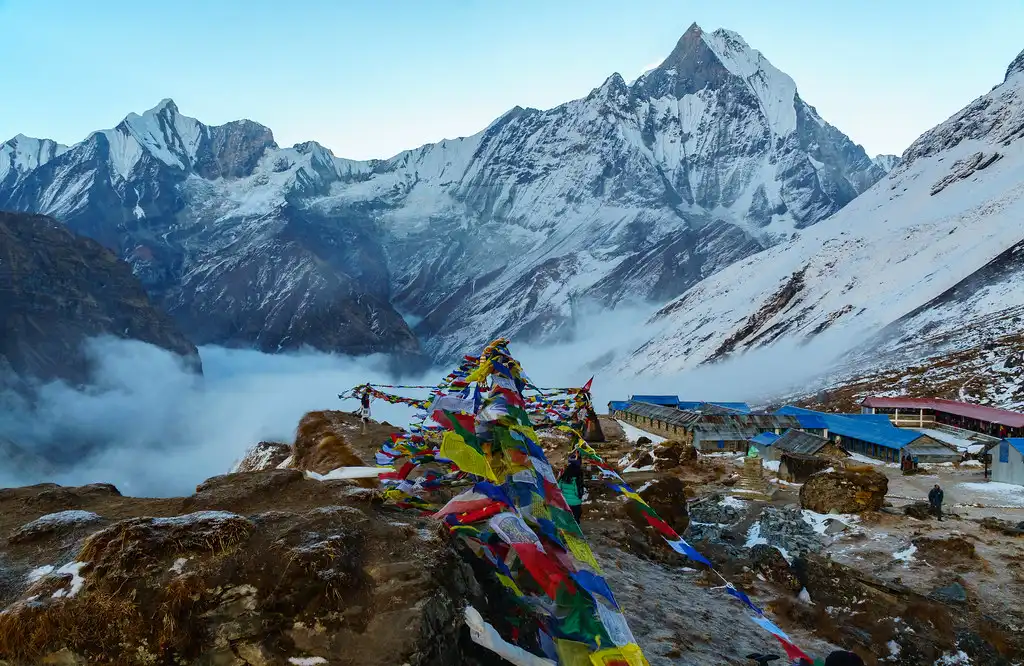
<point x="935" y="500"/>
<point x="364" y="408"/>
<point x="570" y="482"/>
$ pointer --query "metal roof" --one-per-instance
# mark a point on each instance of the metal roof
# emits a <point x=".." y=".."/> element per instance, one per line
<point x="669" y="415"/>
<point x="745" y="425"/>
<point x="765" y="438"/>
<point x="876" y="418"/>
<point x="741" y="407"/>
<point x="882" y="434"/>
<point x="797" y="441"/>
<point x="1017" y="443"/>
<point x="671" y="400"/>
<point x="811" y="421"/>
<point x="618" y="405"/>
<point x="967" y="410"/>
<point x="931" y="447"/>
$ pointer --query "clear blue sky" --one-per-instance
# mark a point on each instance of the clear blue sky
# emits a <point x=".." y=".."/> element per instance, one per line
<point x="368" y="78"/>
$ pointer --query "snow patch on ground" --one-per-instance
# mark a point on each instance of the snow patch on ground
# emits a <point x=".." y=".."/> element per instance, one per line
<point x="633" y="433"/>
<point x="39" y="572"/>
<point x="820" y="522"/>
<point x="77" y="581"/>
<point x="179" y="565"/>
<point x="906" y="555"/>
<point x="306" y="661"/>
<point x="197" y="517"/>
<point x="734" y="502"/>
<point x="1002" y="493"/>
<point x="71" y="517"/>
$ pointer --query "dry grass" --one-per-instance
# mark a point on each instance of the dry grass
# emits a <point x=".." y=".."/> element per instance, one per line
<point x="129" y="543"/>
<point x="98" y="624"/>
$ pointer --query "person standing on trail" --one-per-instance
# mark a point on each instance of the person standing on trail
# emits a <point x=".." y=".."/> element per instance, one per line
<point x="364" y="408"/>
<point x="935" y="501"/>
<point x="570" y="482"/>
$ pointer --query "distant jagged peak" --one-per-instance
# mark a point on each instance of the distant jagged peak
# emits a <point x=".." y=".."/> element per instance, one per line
<point x="1016" y="67"/>
<point x="23" y="153"/>
<point x="886" y="162"/>
<point x="713" y="60"/>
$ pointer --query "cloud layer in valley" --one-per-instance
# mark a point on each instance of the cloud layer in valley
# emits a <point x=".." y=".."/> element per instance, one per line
<point x="149" y="426"/>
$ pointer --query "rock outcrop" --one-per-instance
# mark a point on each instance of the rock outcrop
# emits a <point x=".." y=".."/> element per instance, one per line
<point x="326" y="440"/>
<point x="851" y="490"/>
<point x="264" y="456"/>
<point x="59" y="290"/>
<point x="263" y="568"/>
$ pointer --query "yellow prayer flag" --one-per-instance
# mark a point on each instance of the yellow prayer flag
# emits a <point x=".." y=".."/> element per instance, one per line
<point x="581" y="551"/>
<point x="627" y="654"/>
<point x="468" y="459"/>
<point x="571" y="653"/>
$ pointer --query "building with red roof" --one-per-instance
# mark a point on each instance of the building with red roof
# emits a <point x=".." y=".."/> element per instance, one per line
<point x="926" y="412"/>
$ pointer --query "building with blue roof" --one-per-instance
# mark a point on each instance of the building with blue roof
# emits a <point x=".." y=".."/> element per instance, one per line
<point x="875" y="439"/>
<point x="663" y="400"/>
<point x="764" y="442"/>
<point x="703" y="405"/>
<point x="1008" y="463"/>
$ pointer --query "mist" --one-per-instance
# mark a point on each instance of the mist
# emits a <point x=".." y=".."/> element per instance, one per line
<point x="148" y="425"/>
<point x="158" y="430"/>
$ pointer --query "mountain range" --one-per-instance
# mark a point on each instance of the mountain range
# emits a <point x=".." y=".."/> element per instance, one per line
<point x="921" y="276"/>
<point x="634" y="193"/>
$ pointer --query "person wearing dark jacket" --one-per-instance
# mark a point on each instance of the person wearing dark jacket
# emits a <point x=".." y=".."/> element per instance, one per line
<point x="570" y="482"/>
<point x="935" y="501"/>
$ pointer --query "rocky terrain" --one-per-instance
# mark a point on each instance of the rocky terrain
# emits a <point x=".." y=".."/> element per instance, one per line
<point x="275" y="565"/>
<point x="633" y="192"/>
<point x="58" y="290"/>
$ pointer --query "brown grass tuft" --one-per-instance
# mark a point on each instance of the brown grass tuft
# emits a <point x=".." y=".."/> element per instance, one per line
<point x="130" y="543"/>
<point x="95" y="624"/>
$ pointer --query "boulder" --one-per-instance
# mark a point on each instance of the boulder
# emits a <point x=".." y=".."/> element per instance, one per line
<point x="768" y="562"/>
<point x="919" y="510"/>
<point x="844" y="491"/>
<point x="672" y="454"/>
<point x="643" y="440"/>
<point x="954" y="593"/>
<point x="263" y="456"/>
<point x="327" y="440"/>
<point x="668" y="497"/>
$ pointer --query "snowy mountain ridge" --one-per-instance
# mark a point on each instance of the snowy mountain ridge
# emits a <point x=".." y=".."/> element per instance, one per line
<point x="635" y="192"/>
<point x="932" y="249"/>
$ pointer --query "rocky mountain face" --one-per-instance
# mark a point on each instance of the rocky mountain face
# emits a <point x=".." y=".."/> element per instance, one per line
<point x="923" y="266"/>
<point x="60" y="289"/>
<point x="635" y="192"/>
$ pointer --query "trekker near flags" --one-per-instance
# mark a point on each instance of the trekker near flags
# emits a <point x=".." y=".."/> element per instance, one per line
<point x="570" y="482"/>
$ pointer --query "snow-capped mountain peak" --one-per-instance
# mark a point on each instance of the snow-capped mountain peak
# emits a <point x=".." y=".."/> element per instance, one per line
<point x="1016" y="67"/>
<point x="924" y="261"/>
<point x="21" y="154"/>
<point x="632" y="192"/>
<point x="886" y="162"/>
<point x="701" y="59"/>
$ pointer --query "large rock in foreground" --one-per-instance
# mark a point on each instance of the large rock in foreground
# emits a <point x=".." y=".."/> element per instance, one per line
<point x="263" y="568"/>
<point x="851" y="490"/>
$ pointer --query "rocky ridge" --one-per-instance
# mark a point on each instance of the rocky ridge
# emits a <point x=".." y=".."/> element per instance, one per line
<point x="60" y="290"/>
